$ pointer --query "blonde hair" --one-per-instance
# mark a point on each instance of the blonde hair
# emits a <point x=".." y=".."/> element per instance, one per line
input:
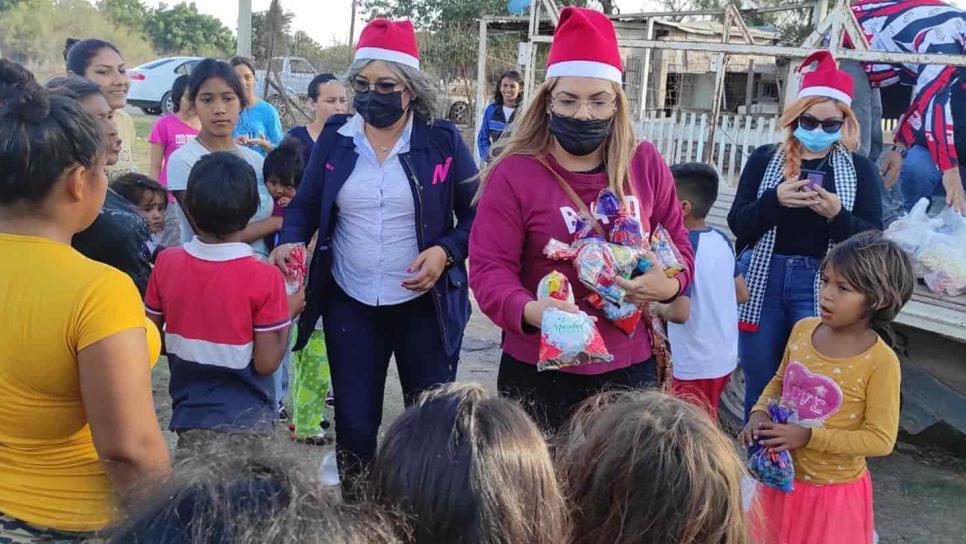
<point x="530" y="135"/>
<point x="642" y="467"/>
<point x="793" y="148"/>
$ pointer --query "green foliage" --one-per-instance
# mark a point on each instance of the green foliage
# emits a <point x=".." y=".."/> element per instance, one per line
<point x="8" y="4"/>
<point x="128" y="13"/>
<point x="33" y="33"/>
<point x="183" y="30"/>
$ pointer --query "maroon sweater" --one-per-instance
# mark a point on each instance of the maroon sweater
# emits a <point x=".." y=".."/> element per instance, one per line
<point x="521" y="209"/>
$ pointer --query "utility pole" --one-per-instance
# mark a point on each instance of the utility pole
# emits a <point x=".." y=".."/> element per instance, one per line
<point x="352" y="25"/>
<point x="244" y="47"/>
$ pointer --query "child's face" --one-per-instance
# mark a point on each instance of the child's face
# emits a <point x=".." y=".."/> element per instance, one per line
<point x="282" y="194"/>
<point x="218" y="107"/>
<point x="332" y="100"/>
<point x="841" y="304"/>
<point x="152" y="208"/>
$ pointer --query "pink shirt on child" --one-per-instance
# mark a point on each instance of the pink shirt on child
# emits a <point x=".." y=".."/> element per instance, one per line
<point x="170" y="133"/>
<point x="522" y="208"/>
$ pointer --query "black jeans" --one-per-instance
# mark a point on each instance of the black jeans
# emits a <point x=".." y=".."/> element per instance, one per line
<point x="550" y="397"/>
<point x="360" y="340"/>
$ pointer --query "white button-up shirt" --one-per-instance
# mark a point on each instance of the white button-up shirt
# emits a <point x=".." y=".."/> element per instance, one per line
<point x="375" y="234"/>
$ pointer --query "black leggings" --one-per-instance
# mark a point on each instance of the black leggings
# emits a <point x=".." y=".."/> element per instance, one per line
<point x="550" y="397"/>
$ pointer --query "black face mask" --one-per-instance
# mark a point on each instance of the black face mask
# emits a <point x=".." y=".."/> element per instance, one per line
<point x="379" y="110"/>
<point x="579" y="136"/>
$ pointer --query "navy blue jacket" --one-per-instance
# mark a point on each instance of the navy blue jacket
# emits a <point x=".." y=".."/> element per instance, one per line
<point x="443" y="179"/>
<point x="493" y="125"/>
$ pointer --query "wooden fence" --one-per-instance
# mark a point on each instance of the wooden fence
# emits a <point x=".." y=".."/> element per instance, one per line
<point x="683" y="137"/>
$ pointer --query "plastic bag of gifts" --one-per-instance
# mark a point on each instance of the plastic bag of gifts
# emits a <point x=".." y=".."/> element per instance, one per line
<point x="295" y="270"/>
<point x="567" y="339"/>
<point x="770" y="467"/>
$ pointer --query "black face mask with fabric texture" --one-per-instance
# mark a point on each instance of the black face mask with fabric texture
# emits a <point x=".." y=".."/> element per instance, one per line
<point x="379" y="110"/>
<point x="579" y="136"/>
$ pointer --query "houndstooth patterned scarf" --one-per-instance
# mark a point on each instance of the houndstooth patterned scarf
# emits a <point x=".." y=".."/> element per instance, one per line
<point x="757" y="276"/>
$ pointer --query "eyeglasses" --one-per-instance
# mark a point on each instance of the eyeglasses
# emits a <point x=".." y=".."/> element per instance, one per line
<point x="598" y="108"/>
<point x="830" y="126"/>
<point x="361" y="85"/>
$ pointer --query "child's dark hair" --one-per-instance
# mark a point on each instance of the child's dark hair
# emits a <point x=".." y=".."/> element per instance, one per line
<point x="132" y="186"/>
<point x="463" y="466"/>
<point x="242" y="61"/>
<point x="178" y="88"/>
<point x="72" y="86"/>
<point x="877" y="268"/>
<point x="284" y="164"/>
<point x="78" y="53"/>
<point x="641" y="467"/>
<point x="511" y="75"/>
<point x="222" y="193"/>
<point x="253" y="495"/>
<point x="41" y="136"/>
<point x="214" y="68"/>
<point x="320" y="79"/>
<point x="698" y="184"/>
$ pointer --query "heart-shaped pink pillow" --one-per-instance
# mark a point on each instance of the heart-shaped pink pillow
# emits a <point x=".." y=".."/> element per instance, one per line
<point x="815" y="397"/>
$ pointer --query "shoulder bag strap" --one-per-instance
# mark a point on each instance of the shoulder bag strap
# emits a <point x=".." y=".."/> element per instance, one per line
<point x="573" y="196"/>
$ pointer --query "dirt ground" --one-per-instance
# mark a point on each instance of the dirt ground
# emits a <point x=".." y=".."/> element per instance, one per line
<point x="920" y="493"/>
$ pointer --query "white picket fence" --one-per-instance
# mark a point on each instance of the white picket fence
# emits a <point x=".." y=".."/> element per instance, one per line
<point x="683" y="137"/>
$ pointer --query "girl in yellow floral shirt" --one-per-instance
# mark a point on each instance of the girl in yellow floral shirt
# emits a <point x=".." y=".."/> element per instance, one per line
<point x="843" y="381"/>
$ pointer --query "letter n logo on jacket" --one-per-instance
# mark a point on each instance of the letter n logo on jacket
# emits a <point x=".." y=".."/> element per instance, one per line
<point x="441" y="170"/>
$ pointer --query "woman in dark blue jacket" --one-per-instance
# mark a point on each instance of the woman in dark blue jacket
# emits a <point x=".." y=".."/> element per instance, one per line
<point x="388" y="276"/>
<point x="507" y="97"/>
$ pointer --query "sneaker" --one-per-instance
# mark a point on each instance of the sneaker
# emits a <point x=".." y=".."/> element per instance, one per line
<point x="283" y="414"/>
<point x="330" y="399"/>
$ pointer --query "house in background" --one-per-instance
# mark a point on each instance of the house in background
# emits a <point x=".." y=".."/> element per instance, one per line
<point x="684" y="80"/>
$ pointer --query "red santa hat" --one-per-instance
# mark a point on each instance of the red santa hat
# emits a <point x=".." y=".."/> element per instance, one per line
<point x="585" y="45"/>
<point x="826" y="80"/>
<point x="393" y="41"/>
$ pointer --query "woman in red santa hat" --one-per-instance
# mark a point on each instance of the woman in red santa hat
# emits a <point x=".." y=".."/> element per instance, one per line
<point x="390" y="192"/>
<point x="794" y="201"/>
<point x="574" y="140"/>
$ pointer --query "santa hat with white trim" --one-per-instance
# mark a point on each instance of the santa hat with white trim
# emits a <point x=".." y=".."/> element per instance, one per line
<point x="826" y="80"/>
<point x="585" y="45"/>
<point x="393" y="41"/>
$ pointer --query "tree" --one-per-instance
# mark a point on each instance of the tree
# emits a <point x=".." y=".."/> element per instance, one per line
<point x="271" y="32"/>
<point x="182" y="29"/>
<point x="793" y="26"/>
<point x="33" y="33"/>
<point x="128" y="13"/>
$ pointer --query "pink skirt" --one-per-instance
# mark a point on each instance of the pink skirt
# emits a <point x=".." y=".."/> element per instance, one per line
<point x="830" y="514"/>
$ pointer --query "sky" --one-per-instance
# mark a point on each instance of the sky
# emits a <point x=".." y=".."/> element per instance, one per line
<point x="327" y="21"/>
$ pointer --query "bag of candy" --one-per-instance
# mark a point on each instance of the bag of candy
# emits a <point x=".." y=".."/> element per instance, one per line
<point x="567" y="339"/>
<point x="770" y="467"/>
<point x="555" y="285"/>
<point x="607" y="204"/>
<point x="665" y="252"/>
<point x="295" y="270"/>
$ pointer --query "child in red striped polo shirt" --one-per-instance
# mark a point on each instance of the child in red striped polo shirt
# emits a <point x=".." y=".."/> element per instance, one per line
<point x="226" y="313"/>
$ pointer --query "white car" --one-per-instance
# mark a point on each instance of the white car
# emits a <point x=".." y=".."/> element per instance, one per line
<point x="151" y="83"/>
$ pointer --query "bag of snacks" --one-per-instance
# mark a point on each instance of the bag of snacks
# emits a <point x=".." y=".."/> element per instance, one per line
<point x="665" y="252"/>
<point x="770" y="467"/>
<point x="295" y="270"/>
<point x="567" y="339"/>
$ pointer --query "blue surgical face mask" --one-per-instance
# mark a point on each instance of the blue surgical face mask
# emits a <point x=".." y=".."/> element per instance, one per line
<point x="817" y="140"/>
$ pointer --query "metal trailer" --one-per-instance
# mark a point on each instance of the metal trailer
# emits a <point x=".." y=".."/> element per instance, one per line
<point x="934" y="357"/>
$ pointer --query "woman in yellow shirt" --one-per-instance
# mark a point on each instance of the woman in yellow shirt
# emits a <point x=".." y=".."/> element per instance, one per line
<point x="78" y="431"/>
<point x="842" y="379"/>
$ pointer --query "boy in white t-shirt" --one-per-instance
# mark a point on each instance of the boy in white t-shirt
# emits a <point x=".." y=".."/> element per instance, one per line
<point x="703" y="324"/>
